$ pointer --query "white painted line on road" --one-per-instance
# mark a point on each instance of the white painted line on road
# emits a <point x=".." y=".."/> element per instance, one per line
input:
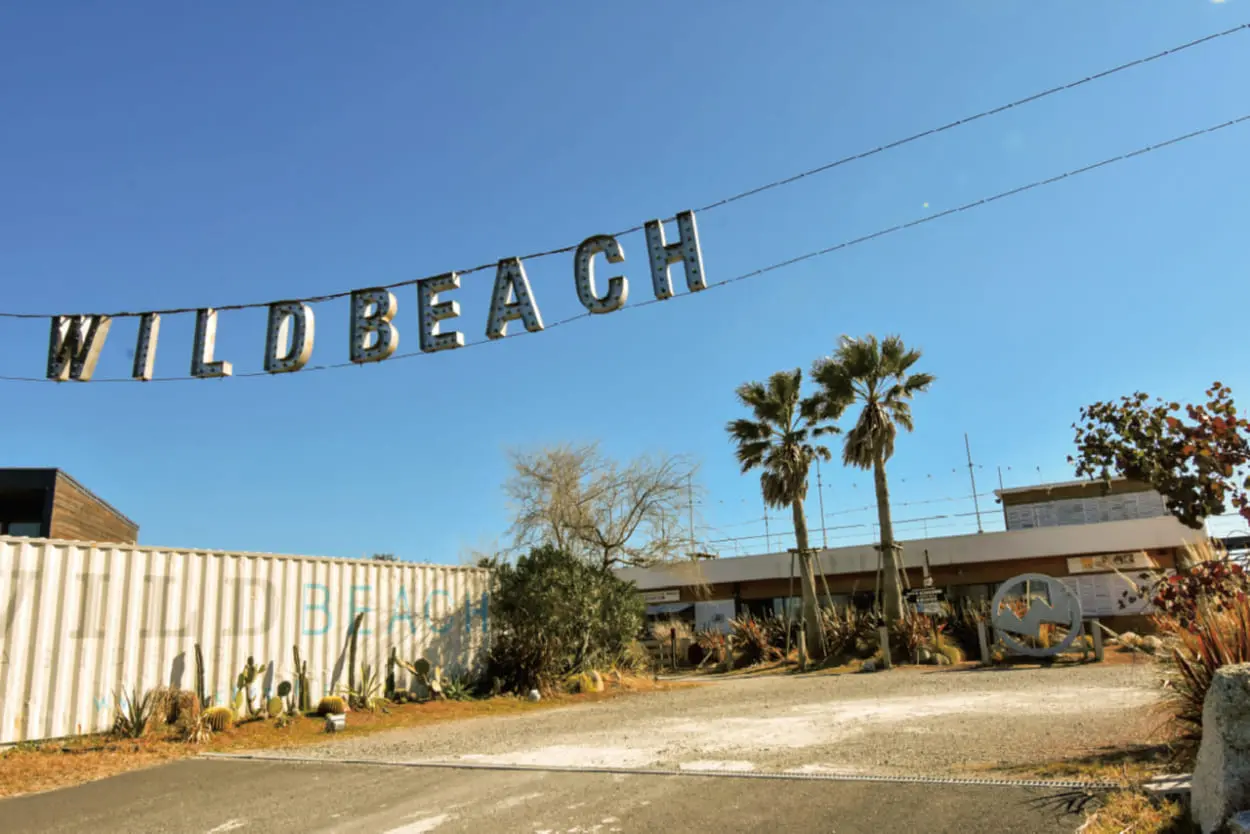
<point x="619" y="772"/>
<point x="421" y="826"/>
<point x="228" y="825"/>
<point x="730" y="766"/>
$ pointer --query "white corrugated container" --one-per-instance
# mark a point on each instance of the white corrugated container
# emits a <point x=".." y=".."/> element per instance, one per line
<point x="81" y="622"/>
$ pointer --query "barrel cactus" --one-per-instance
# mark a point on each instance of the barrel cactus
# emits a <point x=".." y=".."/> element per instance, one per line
<point x="331" y="705"/>
<point x="219" y="718"/>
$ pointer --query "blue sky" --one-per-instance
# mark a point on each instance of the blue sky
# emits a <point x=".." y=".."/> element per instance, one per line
<point x="158" y="155"/>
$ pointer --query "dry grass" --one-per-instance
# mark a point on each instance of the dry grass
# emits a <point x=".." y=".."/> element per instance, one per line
<point x="1133" y="811"/>
<point x="30" y="768"/>
<point x="1125" y="766"/>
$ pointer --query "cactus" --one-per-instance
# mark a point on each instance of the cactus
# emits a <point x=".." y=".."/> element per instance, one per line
<point x="301" y="675"/>
<point x="351" y="658"/>
<point x="391" y="662"/>
<point x="200" y="690"/>
<point x="284" y="693"/>
<point x="219" y="718"/>
<point x="274" y="706"/>
<point x="245" y="681"/>
<point x="331" y="705"/>
<point x="431" y="679"/>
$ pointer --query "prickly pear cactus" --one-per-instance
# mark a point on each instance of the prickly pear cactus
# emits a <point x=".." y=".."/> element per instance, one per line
<point x="275" y="706"/>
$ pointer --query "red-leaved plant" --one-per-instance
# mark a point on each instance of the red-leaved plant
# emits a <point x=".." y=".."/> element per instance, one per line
<point x="1211" y="638"/>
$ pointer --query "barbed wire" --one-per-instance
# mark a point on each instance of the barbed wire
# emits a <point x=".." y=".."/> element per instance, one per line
<point x="756" y="273"/>
<point x="751" y="192"/>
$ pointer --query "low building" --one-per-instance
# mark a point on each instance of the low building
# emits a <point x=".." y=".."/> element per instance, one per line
<point x="1122" y="534"/>
<point x="49" y="504"/>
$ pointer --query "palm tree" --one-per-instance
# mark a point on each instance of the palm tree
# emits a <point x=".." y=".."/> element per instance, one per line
<point x="778" y="442"/>
<point x="876" y="374"/>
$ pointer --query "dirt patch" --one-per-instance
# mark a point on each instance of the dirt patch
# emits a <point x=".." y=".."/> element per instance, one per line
<point x="917" y="721"/>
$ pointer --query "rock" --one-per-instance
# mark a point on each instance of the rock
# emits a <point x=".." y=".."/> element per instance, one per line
<point x="1152" y="644"/>
<point x="942" y="660"/>
<point x="534" y="696"/>
<point x="924" y="655"/>
<point x="1128" y="639"/>
<point x="1239" y="823"/>
<point x="596" y="681"/>
<point x="869" y="666"/>
<point x="1221" y="779"/>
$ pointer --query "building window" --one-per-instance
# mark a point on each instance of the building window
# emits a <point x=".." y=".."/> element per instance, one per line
<point x="29" y="529"/>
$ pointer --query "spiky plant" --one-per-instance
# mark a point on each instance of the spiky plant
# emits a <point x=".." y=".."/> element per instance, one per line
<point x="751" y="643"/>
<point x="331" y="705"/>
<point x="218" y="719"/>
<point x="1212" y="639"/>
<point x="366" y="692"/>
<point x="878" y="375"/>
<point x="777" y="440"/>
<point x="134" y="712"/>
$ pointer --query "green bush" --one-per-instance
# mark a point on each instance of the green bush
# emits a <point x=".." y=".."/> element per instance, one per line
<point x="553" y="615"/>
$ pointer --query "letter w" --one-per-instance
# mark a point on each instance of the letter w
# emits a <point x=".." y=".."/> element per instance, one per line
<point x="75" y="345"/>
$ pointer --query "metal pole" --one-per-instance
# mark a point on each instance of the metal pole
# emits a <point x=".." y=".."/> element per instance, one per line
<point x="690" y="501"/>
<point x="768" y="541"/>
<point x="972" y="476"/>
<point x="820" y="491"/>
<point x="788" y="606"/>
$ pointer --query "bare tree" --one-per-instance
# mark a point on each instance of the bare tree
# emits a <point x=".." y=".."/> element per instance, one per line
<point x="613" y="514"/>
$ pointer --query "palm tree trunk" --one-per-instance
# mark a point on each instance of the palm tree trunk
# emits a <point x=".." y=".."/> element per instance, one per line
<point x="893" y="602"/>
<point x="811" y="617"/>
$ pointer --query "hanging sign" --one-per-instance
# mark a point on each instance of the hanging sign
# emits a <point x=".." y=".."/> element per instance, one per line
<point x="76" y="340"/>
<point x="927" y="600"/>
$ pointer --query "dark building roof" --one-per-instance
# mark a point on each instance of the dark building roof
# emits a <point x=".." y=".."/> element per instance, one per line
<point x="19" y="479"/>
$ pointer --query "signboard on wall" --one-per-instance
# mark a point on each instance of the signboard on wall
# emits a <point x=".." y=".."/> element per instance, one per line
<point x="926" y="600"/>
<point x="1103" y="562"/>
<point x="714" y="614"/>
<point x="1103" y="594"/>
<point x="657" y="597"/>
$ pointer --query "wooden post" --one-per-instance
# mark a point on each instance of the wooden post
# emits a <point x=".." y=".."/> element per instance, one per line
<point x="729" y="652"/>
<point x="672" y="633"/>
<point x="1096" y="629"/>
<point x="802" y="649"/>
<point x="984" y="640"/>
<point x="883" y="640"/>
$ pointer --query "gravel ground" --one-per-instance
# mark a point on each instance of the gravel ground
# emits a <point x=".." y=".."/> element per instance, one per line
<point x="903" y="722"/>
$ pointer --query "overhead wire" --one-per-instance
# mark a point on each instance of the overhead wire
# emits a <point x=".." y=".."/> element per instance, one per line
<point x="765" y="270"/>
<point x="751" y="192"/>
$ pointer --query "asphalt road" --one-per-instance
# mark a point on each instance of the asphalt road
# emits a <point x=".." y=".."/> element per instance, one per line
<point x="217" y="796"/>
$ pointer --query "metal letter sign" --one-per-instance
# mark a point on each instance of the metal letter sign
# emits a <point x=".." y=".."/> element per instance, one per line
<point x="1059" y="606"/>
<point x="75" y="341"/>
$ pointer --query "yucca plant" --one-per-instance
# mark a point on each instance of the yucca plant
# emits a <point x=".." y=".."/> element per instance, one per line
<point x="134" y="711"/>
<point x="912" y="633"/>
<point x="367" y="692"/>
<point x="712" y="643"/>
<point x="845" y="629"/>
<point x="751" y="642"/>
<point x="1211" y="639"/>
<point x="460" y="687"/>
